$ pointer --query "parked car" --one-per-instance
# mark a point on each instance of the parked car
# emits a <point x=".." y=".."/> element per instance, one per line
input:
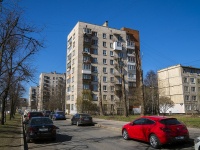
<point x="40" y="128"/>
<point x="59" y="115"/>
<point x="82" y="119"/>
<point x="33" y="114"/>
<point x="157" y="130"/>
<point x="197" y="143"/>
<point x="46" y="113"/>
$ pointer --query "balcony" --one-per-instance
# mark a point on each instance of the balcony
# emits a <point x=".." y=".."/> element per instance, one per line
<point x="130" y="45"/>
<point x="84" y="71"/>
<point x="117" y="46"/>
<point x="87" y="61"/>
<point x="132" y="79"/>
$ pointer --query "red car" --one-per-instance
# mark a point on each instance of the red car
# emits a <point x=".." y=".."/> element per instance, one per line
<point x="157" y="130"/>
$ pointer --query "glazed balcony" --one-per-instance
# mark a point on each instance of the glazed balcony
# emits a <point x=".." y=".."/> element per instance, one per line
<point x="130" y="45"/>
<point x="117" y="46"/>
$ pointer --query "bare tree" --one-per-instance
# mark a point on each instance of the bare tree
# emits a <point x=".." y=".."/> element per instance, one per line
<point x="17" y="46"/>
<point x="100" y="98"/>
<point x="165" y="103"/>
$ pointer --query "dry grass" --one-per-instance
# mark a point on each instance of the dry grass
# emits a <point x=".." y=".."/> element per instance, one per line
<point x="10" y="134"/>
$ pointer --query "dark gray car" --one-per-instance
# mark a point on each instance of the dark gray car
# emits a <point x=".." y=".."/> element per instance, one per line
<point x="82" y="119"/>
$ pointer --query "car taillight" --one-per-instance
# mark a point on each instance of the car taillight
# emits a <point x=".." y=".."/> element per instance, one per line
<point x="29" y="116"/>
<point x="165" y="129"/>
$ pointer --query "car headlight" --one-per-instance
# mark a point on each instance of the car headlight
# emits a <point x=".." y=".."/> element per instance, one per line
<point x="197" y="140"/>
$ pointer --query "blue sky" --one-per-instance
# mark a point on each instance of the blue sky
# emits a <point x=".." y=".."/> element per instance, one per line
<point x="169" y="29"/>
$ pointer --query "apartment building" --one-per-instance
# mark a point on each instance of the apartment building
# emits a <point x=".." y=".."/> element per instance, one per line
<point x="182" y="85"/>
<point x="48" y="85"/>
<point x="33" y="97"/>
<point x="100" y="55"/>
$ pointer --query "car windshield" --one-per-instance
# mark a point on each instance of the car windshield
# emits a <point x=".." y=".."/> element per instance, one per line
<point x="38" y="121"/>
<point x="35" y="114"/>
<point x="170" y="121"/>
<point x="85" y="115"/>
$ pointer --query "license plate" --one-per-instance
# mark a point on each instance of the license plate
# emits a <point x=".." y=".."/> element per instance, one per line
<point x="43" y="129"/>
<point x="179" y="137"/>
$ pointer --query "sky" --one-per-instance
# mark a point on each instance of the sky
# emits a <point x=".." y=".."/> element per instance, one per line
<point x="169" y="29"/>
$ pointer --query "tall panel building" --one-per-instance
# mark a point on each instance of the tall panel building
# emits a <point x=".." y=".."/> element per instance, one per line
<point x="48" y="85"/>
<point x="33" y="97"/>
<point x="182" y="85"/>
<point x="100" y="55"/>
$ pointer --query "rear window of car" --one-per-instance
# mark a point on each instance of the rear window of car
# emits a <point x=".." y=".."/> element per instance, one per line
<point x="38" y="121"/>
<point x="85" y="115"/>
<point x="171" y="121"/>
<point x="60" y="113"/>
<point x="35" y="114"/>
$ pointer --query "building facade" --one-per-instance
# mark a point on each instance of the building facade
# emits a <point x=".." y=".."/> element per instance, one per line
<point x="182" y="85"/>
<point x="100" y="57"/>
<point x="33" y="97"/>
<point x="48" y="86"/>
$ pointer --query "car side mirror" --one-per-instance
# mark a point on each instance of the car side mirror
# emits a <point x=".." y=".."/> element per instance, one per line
<point x="132" y="123"/>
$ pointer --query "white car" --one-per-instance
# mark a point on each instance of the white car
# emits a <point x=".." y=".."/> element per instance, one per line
<point x="197" y="143"/>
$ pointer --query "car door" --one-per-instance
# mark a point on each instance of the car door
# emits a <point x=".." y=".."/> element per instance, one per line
<point x="136" y="129"/>
<point x="146" y="128"/>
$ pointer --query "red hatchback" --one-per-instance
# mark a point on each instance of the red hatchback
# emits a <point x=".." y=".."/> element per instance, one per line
<point x="157" y="130"/>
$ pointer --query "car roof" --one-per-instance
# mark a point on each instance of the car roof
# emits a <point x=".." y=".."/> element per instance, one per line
<point x="157" y="118"/>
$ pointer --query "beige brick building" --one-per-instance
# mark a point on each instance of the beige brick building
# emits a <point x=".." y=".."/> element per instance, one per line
<point x="182" y="85"/>
<point x="48" y="84"/>
<point x="100" y="54"/>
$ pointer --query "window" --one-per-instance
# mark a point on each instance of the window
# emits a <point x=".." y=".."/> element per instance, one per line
<point x="95" y="78"/>
<point x="104" y="97"/>
<point x="95" y="60"/>
<point x="95" y="87"/>
<point x="112" y="97"/>
<point x="94" y="69"/>
<point x="104" y="79"/>
<point x="111" y="70"/>
<point x="111" y="53"/>
<point x="104" y="35"/>
<point x="72" y="70"/>
<point x="131" y="67"/>
<point x="72" y="106"/>
<point x="193" y="89"/>
<point x="86" y="49"/>
<point x="95" y="97"/>
<point x="87" y="30"/>
<point x="194" y="98"/>
<point x="95" y="42"/>
<point x="187" y="97"/>
<point x="95" y="51"/>
<point x="95" y="34"/>
<point x="73" y="44"/>
<point x="192" y="80"/>
<point x="111" y="62"/>
<point x="131" y="59"/>
<point x="104" y="88"/>
<point x="104" y="61"/>
<point x="111" y="37"/>
<point x="72" y="79"/>
<point x="112" y="88"/>
<point x="186" y="88"/>
<point x="111" y="45"/>
<point x="86" y="66"/>
<point x="72" y="97"/>
<point x="185" y="80"/>
<point x="188" y="107"/>
<point x="86" y="76"/>
<point x="72" y="88"/>
<point x="86" y="86"/>
<point x="104" y="70"/>
<point x="111" y="79"/>
<point x="104" y="53"/>
<point x="104" y="44"/>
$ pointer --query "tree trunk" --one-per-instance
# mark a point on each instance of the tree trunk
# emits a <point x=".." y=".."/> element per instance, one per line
<point x="124" y="97"/>
<point x="100" y="99"/>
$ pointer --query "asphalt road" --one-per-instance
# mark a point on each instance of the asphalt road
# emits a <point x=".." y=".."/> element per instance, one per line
<point x="95" y="138"/>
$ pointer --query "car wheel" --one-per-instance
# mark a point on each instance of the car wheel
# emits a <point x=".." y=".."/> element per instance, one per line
<point x="125" y="134"/>
<point x="154" y="141"/>
<point x="77" y="123"/>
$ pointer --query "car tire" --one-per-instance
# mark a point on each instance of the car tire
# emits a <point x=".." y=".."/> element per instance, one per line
<point x="77" y="123"/>
<point x="125" y="134"/>
<point x="154" y="141"/>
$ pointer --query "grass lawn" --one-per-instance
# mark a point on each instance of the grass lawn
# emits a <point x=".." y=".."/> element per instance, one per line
<point x="10" y="134"/>
<point x="188" y="120"/>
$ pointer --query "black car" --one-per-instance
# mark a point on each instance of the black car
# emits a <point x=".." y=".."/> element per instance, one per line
<point x="82" y="119"/>
<point x="40" y="128"/>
